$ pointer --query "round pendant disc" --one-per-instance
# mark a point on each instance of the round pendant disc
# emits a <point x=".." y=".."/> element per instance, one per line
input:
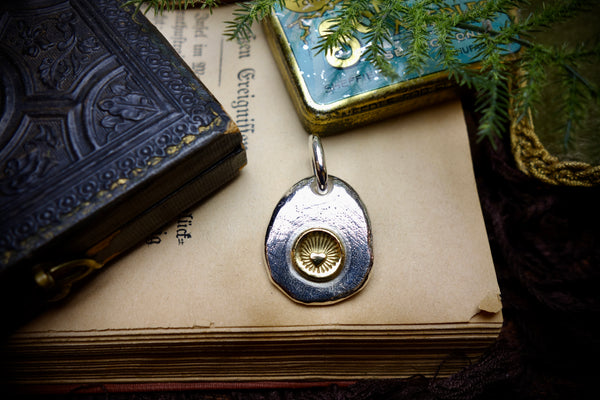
<point x="318" y="254"/>
<point x="318" y="245"/>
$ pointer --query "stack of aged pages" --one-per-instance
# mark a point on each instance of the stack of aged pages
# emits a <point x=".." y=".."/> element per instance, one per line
<point x="195" y="303"/>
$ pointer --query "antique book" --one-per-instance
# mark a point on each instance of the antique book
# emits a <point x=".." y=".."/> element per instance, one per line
<point x="195" y="304"/>
<point x="105" y="135"/>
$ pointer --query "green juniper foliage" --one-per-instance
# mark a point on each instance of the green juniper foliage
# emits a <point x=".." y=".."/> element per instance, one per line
<point x="161" y="5"/>
<point x="505" y="89"/>
<point x="246" y="15"/>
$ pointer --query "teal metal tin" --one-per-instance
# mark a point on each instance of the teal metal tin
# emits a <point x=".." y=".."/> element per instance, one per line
<point x="339" y="90"/>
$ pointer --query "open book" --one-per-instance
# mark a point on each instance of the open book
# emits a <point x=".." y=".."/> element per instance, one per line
<point x="195" y="303"/>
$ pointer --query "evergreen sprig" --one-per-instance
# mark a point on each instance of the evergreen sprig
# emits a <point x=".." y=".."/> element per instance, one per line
<point x="158" y="6"/>
<point x="245" y="16"/>
<point x="505" y="88"/>
<point x="344" y="26"/>
<point x="377" y="35"/>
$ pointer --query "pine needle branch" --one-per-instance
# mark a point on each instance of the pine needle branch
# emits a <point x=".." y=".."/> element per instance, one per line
<point x="344" y="25"/>
<point x="159" y="6"/>
<point x="246" y="15"/>
<point x="378" y="35"/>
<point x="416" y="22"/>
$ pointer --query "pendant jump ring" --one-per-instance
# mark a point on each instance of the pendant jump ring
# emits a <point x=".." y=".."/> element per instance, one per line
<point x="318" y="163"/>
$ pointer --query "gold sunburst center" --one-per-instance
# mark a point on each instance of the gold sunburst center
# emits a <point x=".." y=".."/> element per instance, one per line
<point x="318" y="254"/>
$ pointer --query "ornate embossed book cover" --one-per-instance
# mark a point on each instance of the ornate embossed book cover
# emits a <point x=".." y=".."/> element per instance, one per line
<point x="105" y="135"/>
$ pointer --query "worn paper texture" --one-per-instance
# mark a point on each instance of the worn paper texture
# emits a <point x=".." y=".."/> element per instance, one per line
<point x="432" y="263"/>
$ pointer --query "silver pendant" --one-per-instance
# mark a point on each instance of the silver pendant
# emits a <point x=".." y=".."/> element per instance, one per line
<point x="318" y="244"/>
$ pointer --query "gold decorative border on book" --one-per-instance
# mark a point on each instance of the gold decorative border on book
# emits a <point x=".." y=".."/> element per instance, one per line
<point x="533" y="159"/>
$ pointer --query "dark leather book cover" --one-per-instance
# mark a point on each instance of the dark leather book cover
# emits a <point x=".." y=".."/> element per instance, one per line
<point x="105" y="135"/>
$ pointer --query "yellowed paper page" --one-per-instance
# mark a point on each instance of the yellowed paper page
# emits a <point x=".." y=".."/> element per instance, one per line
<point x="432" y="263"/>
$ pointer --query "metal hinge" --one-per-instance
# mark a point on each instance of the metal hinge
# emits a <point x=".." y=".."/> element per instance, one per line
<point x="58" y="279"/>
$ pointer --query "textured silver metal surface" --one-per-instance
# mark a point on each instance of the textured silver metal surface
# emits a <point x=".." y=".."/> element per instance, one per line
<point x="340" y="211"/>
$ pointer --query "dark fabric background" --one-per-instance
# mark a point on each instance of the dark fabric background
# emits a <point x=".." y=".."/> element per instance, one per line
<point x="546" y="246"/>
